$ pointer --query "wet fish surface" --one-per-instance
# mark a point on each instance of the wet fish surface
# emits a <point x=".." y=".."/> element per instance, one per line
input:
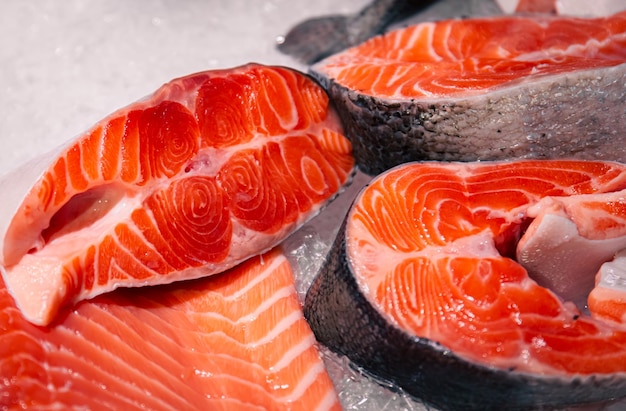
<point x="423" y="289"/>
<point x="211" y="169"/>
<point x="484" y="89"/>
<point x="231" y="341"/>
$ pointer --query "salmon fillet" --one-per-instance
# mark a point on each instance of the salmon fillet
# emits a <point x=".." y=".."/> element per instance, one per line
<point x="237" y="340"/>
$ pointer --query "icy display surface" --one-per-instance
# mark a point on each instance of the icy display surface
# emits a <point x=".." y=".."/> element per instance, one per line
<point x="64" y="65"/>
<point x="307" y="249"/>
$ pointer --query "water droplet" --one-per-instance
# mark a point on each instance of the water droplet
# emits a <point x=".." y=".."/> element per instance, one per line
<point x="203" y="373"/>
<point x="539" y="342"/>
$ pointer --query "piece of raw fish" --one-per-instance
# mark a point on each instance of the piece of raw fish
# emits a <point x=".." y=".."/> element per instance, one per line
<point x="484" y="89"/>
<point x="211" y="169"/>
<point x="235" y="341"/>
<point x="422" y="290"/>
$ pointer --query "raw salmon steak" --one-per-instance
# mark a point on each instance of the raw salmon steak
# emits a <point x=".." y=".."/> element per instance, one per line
<point x="484" y="89"/>
<point x="427" y="287"/>
<point x="232" y="341"/>
<point x="209" y="170"/>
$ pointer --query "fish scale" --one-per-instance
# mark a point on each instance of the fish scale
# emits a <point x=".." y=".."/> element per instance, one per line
<point x="418" y="293"/>
<point x="497" y="88"/>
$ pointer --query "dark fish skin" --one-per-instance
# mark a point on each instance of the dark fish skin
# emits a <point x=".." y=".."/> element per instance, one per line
<point x="319" y="37"/>
<point x="451" y="9"/>
<point x="559" y="116"/>
<point x="316" y="38"/>
<point x="343" y="320"/>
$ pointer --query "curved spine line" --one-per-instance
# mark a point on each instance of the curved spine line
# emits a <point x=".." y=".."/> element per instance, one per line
<point x="267" y="271"/>
<point x="397" y="73"/>
<point x="402" y="39"/>
<point x="136" y="231"/>
<point x="378" y="82"/>
<point x="165" y="246"/>
<point x="249" y="390"/>
<point x="294" y="352"/>
<point x="74" y="169"/>
<point x="112" y="399"/>
<point x="100" y="155"/>
<point x="305" y="381"/>
<point x="432" y="51"/>
<point x="135" y="253"/>
<point x="87" y="162"/>
<point x="128" y="383"/>
<point x="329" y="401"/>
<point x="289" y="125"/>
<point x="282" y="293"/>
<point x="445" y="42"/>
<point x="110" y="320"/>
<point x="279" y="328"/>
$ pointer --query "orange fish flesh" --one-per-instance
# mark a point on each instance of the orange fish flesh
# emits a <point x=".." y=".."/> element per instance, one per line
<point x="510" y="87"/>
<point x="427" y="288"/>
<point x="237" y="340"/>
<point x="209" y="170"/>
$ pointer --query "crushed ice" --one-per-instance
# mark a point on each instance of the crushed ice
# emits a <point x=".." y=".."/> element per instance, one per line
<point x="306" y="250"/>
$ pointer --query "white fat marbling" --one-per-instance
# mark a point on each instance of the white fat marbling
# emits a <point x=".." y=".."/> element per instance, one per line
<point x="64" y="65"/>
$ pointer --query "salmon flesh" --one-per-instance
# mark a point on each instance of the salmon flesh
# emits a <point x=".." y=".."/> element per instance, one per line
<point x="237" y="340"/>
<point x="211" y="169"/>
<point x="435" y="283"/>
<point x="493" y="88"/>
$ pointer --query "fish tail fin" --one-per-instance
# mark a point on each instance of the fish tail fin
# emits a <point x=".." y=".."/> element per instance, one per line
<point x="315" y="38"/>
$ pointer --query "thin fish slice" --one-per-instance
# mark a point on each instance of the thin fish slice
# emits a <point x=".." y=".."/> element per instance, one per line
<point x="422" y="288"/>
<point x="209" y="170"/>
<point x="232" y="341"/>
<point x="484" y="89"/>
